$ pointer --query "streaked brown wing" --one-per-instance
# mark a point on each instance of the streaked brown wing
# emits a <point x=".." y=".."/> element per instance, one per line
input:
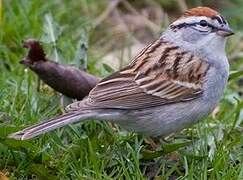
<point x="162" y="73"/>
<point x="118" y="94"/>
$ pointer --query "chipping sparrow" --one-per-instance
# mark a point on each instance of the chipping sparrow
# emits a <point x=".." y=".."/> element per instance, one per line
<point x="171" y="84"/>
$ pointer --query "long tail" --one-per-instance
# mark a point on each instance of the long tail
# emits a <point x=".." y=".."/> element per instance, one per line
<point x="50" y="125"/>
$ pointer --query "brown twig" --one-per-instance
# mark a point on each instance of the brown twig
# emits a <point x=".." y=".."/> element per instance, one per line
<point x="65" y="79"/>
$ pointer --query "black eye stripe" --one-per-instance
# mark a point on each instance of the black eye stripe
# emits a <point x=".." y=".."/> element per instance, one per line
<point x="224" y="21"/>
<point x="218" y="19"/>
<point x="182" y="25"/>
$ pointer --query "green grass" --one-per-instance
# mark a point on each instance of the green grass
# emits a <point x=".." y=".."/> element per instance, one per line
<point x="212" y="149"/>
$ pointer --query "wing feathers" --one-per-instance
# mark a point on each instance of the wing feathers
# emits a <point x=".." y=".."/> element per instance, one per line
<point x="162" y="73"/>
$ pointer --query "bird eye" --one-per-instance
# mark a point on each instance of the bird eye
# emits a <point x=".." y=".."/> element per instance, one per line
<point x="203" y="23"/>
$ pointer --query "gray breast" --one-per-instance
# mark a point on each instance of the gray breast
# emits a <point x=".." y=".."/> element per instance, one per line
<point x="170" y="118"/>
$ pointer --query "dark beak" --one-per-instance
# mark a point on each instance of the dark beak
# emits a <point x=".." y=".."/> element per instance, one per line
<point x="225" y="31"/>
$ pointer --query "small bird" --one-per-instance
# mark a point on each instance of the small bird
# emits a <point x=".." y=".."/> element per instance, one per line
<point x="171" y="84"/>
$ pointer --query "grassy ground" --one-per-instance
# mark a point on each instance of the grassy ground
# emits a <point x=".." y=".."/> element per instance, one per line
<point x="212" y="149"/>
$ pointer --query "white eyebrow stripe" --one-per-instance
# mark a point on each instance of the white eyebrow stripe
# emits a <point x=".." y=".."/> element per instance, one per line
<point x="190" y="20"/>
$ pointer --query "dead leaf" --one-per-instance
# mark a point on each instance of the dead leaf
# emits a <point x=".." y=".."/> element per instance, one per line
<point x="3" y="176"/>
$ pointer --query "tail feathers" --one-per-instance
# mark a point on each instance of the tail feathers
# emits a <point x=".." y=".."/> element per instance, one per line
<point x="50" y="125"/>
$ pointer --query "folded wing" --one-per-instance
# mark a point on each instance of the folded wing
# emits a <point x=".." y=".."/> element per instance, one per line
<point x="162" y="73"/>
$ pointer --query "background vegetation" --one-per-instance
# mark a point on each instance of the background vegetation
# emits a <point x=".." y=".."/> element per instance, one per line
<point x="88" y="33"/>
